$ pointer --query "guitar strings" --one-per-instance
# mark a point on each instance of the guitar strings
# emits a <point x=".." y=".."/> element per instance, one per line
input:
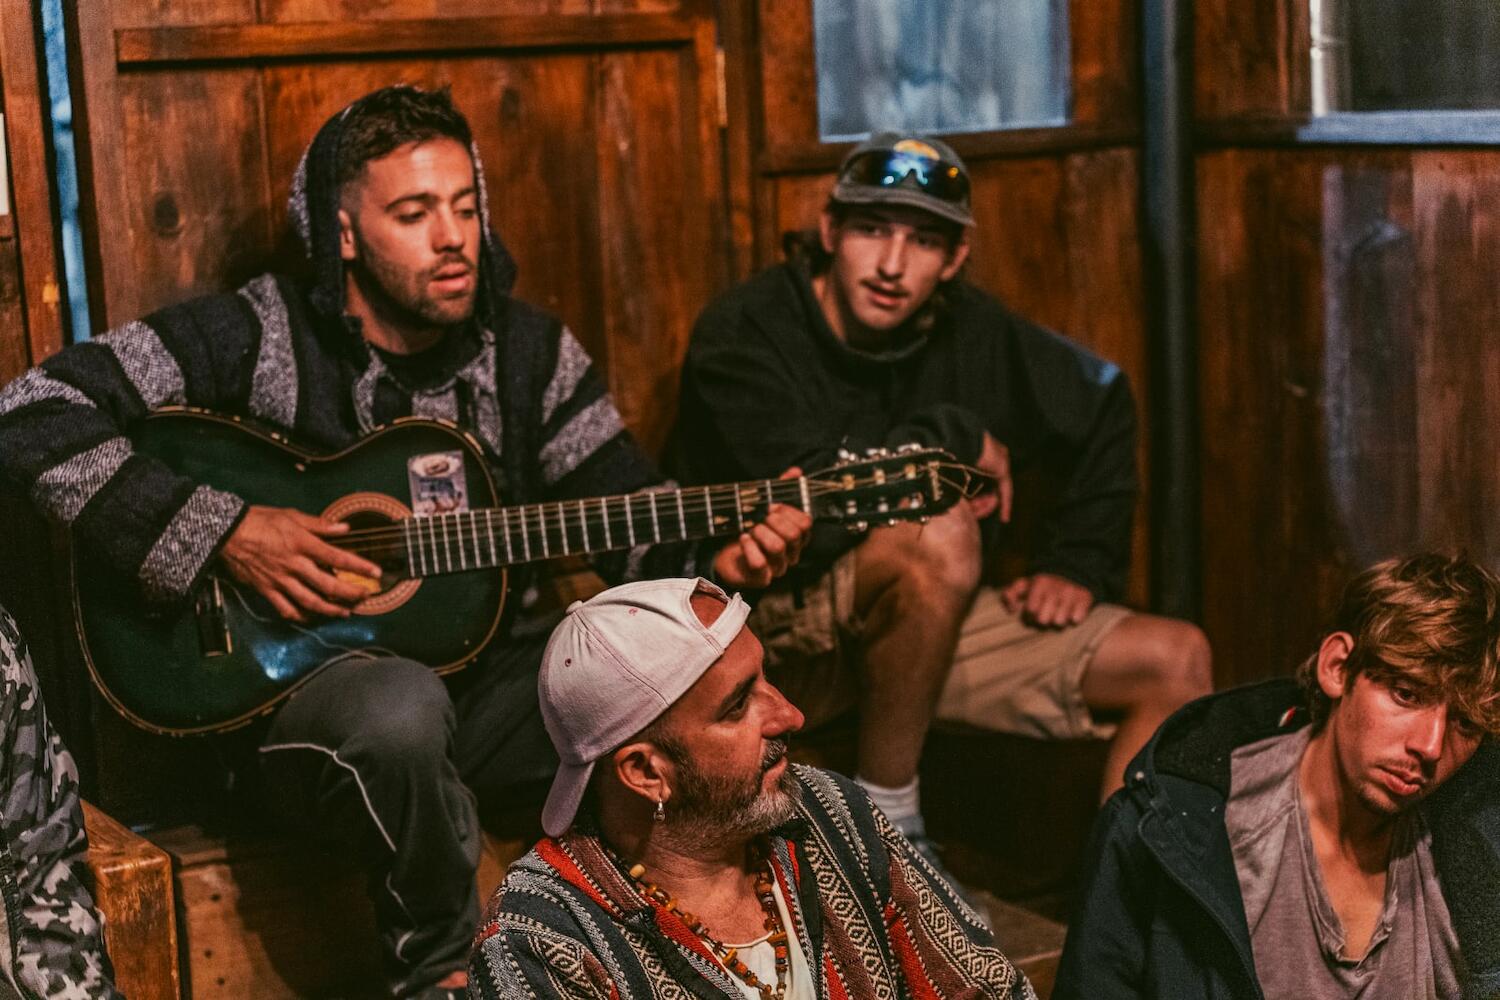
<point x="692" y="500"/>
<point x="398" y="537"/>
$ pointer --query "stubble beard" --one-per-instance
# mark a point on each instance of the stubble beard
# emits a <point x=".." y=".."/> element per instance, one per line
<point x="403" y="297"/>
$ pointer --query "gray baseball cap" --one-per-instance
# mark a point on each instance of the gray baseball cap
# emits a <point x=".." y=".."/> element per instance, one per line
<point x="891" y="168"/>
<point x="614" y="665"/>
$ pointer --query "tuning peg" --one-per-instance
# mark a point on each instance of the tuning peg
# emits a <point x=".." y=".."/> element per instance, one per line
<point x="908" y="448"/>
<point x="876" y="453"/>
<point x="861" y="526"/>
<point x="845" y="455"/>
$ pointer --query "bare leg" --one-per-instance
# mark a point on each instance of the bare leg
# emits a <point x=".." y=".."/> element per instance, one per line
<point x="913" y="586"/>
<point x="1145" y="668"/>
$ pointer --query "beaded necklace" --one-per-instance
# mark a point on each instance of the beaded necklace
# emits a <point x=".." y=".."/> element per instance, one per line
<point x="727" y="956"/>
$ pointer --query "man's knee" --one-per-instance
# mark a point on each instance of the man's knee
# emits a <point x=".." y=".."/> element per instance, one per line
<point x="387" y="708"/>
<point x="939" y="561"/>
<point x="1179" y="660"/>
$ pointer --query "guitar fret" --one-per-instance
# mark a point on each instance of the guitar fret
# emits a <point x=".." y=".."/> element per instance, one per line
<point x="770" y="494"/>
<point x="583" y="519"/>
<point x="630" y="522"/>
<point x="562" y="516"/>
<point x="446" y="550"/>
<point x="510" y="556"/>
<point x="489" y="530"/>
<point x="541" y="523"/>
<point x="806" y="497"/>
<point x="458" y="528"/>
<point x="708" y="508"/>
<point x="655" y="523"/>
<point x="411" y="560"/>
<point x="525" y="536"/>
<point x="682" y="531"/>
<point x="474" y="534"/>
<point x="431" y="560"/>
<point x="609" y="542"/>
<point x="739" y="509"/>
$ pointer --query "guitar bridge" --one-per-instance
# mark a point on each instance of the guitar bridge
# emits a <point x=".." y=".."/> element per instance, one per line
<point x="213" y="628"/>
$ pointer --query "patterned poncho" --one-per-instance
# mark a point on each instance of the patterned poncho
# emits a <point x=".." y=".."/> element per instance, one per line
<point x="872" y="916"/>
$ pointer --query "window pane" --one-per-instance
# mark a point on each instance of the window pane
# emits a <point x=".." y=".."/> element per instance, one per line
<point x="1397" y="55"/>
<point x="951" y="66"/>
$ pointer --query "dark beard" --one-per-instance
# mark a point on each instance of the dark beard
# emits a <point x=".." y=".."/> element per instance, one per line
<point x="401" y="299"/>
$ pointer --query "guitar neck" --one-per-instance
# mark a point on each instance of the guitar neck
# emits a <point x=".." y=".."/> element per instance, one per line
<point x="507" y="536"/>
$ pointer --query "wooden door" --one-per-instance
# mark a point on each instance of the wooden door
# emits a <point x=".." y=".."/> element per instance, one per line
<point x="1057" y="235"/>
<point x="597" y="121"/>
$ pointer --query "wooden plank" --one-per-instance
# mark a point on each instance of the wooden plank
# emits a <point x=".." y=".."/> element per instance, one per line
<point x="33" y="326"/>
<point x="745" y="132"/>
<point x="1106" y="303"/>
<point x="180" y="13"/>
<point x="104" y="215"/>
<point x="1370" y="440"/>
<point x="662" y="254"/>
<point x="975" y="147"/>
<point x="1248" y="59"/>
<point x="272" y="917"/>
<point x="788" y="75"/>
<point x="240" y="43"/>
<point x="1457" y="225"/>
<point x="1105" y="68"/>
<point x="133" y="889"/>
<point x="197" y="211"/>
<point x="294" y="11"/>
<point x="1260" y="311"/>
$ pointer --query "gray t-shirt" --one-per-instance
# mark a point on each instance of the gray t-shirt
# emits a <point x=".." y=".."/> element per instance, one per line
<point x="1296" y="935"/>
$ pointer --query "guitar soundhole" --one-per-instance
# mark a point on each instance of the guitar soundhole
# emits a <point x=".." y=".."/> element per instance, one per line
<point x="371" y="511"/>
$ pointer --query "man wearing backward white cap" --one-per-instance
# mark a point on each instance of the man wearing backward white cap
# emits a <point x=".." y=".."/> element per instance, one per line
<point x="684" y="852"/>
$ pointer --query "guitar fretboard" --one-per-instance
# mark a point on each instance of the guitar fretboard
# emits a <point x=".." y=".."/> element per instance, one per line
<point x="506" y="536"/>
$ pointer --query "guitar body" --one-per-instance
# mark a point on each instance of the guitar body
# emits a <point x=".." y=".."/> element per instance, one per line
<point x="227" y="657"/>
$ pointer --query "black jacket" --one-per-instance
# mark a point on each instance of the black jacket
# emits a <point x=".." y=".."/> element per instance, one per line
<point x="767" y="385"/>
<point x="1160" y="913"/>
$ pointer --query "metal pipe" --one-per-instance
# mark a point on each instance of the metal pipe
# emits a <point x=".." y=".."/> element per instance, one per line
<point x="1168" y="265"/>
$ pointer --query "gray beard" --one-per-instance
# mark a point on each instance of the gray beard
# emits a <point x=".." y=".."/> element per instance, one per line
<point x="708" y="812"/>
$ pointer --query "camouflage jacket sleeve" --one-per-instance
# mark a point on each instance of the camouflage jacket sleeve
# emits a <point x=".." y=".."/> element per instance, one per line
<point x="54" y="941"/>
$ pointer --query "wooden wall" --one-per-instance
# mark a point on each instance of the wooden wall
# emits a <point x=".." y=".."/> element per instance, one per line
<point x="1350" y="379"/>
<point x="1057" y="209"/>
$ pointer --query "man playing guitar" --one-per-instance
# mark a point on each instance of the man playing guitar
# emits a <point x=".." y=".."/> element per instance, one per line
<point x="405" y="312"/>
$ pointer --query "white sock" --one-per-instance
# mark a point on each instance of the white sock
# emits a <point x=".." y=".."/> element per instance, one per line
<point x="901" y="806"/>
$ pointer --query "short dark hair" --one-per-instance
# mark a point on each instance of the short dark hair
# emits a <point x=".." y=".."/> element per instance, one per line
<point x="1430" y="621"/>
<point x="391" y="117"/>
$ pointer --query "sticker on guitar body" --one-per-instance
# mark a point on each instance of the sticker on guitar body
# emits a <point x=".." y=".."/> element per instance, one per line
<point x="437" y="483"/>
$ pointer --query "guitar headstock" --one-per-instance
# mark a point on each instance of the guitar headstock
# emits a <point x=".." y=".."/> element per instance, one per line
<point x="887" y="485"/>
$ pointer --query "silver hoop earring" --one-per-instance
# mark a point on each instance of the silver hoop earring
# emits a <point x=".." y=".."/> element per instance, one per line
<point x="661" y="811"/>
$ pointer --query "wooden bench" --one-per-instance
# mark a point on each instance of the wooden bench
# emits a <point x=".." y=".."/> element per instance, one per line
<point x="133" y="889"/>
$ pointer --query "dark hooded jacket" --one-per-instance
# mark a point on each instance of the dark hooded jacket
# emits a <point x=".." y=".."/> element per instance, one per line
<point x="1160" y="913"/>
<point x="282" y="352"/>
<point x="767" y="384"/>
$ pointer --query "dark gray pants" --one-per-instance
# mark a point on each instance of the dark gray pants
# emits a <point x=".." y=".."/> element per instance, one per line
<point x="382" y="758"/>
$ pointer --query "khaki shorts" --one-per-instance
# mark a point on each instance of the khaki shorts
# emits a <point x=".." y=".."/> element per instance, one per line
<point x="1007" y="676"/>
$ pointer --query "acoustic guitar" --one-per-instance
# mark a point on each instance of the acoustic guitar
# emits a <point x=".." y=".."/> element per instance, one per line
<point x="427" y="512"/>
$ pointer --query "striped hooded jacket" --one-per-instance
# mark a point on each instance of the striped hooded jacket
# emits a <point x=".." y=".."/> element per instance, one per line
<point x="872" y="917"/>
<point x="282" y="352"/>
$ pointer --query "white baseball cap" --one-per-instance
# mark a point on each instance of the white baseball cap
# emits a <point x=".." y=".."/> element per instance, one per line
<point x="614" y="665"/>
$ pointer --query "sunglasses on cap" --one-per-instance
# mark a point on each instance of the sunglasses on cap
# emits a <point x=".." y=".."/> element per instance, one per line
<point x="891" y="168"/>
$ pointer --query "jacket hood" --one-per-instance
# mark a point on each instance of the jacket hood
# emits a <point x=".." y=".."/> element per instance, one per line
<point x="313" y="209"/>
<point x="1196" y="742"/>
